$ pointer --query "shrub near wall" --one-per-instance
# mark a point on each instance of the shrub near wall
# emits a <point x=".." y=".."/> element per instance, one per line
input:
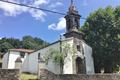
<point x="9" y="74"/>
<point x="47" y="75"/>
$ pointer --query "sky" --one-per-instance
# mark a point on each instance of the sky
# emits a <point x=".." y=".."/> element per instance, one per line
<point x="18" y="21"/>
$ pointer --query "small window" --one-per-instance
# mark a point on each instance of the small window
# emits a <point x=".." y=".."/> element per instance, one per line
<point x="38" y="55"/>
<point x="22" y="54"/>
<point x="78" y="47"/>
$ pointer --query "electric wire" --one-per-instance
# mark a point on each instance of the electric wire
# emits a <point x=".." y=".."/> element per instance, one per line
<point x="36" y="8"/>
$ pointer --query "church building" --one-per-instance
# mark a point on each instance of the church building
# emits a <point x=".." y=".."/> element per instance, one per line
<point x="78" y="60"/>
<point x="78" y="56"/>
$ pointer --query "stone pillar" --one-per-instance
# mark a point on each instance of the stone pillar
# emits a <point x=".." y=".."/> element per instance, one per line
<point x="18" y="63"/>
<point x="41" y="66"/>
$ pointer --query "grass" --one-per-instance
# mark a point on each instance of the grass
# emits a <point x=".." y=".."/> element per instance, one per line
<point x="26" y="76"/>
<point x="0" y="60"/>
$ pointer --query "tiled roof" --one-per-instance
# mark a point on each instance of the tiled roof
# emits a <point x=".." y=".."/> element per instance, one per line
<point x="22" y="50"/>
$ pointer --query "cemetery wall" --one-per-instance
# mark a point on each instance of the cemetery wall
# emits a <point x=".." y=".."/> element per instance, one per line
<point x="9" y="74"/>
<point x="47" y="75"/>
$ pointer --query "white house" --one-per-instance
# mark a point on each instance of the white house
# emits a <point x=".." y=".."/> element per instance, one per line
<point x="78" y="57"/>
<point x="12" y="55"/>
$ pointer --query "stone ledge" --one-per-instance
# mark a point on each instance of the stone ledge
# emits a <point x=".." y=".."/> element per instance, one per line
<point x="51" y="76"/>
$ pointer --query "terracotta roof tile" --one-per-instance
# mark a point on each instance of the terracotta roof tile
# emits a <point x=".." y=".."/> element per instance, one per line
<point x="22" y="50"/>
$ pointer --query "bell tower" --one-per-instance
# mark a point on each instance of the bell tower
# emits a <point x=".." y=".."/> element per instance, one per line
<point x="72" y="30"/>
<point x="82" y="61"/>
<point x="73" y="23"/>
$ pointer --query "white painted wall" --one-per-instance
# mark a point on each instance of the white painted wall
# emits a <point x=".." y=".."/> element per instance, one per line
<point x="33" y="59"/>
<point x="68" y="65"/>
<point x="33" y="62"/>
<point x="25" y="63"/>
<point x="12" y="57"/>
<point x="5" y="61"/>
<point x="9" y="61"/>
<point x="88" y="58"/>
<point x="51" y="66"/>
<point x="68" y="62"/>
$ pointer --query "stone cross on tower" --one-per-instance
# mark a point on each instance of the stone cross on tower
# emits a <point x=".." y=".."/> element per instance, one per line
<point x="71" y="2"/>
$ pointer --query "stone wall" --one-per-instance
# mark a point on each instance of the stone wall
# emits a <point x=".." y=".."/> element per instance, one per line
<point x="47" y="75"/>
<point x="9" y="74"/>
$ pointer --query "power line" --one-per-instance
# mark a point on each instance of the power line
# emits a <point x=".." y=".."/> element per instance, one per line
<point x="33" y="7"/>
<point x="36" y="8"/>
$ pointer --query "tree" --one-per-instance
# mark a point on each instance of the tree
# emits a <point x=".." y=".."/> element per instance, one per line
<point x="30" y="42"/>
<point x="5" y="46"/>
<point x="58" y="57"/>
<point x="102" y="33"/>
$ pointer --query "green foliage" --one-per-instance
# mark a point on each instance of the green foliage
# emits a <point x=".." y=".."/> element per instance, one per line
<point x="33" y="43"/>
<point x="26" y="76"/>
<point x="102" y="33"/>
<point x="5" y="46"/>
<point x="58" y="57"/>
<point x="27" y="42"/>
<point x="55" y="55"/>
<point x="117" y="69"/>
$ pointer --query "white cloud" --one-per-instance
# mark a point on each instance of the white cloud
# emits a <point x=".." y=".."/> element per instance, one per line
<point x="40" y="2"/>
<point x="10" y="9"/>
<point x="54" y="5"/>
<point x="58" y="26"/>
<point x="37" y="14"/>
<point x="14" y="10"/>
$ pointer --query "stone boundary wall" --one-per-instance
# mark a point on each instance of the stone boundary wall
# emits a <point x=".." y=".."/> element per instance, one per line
<point x="9" y="74"/>
<point x="47" y="75"/>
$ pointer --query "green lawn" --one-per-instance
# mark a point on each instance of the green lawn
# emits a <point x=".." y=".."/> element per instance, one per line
<point x="25" y="76"/>
<point x="0" y="60"/>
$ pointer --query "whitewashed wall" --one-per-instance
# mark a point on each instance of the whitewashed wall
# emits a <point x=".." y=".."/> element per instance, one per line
<point x="33" y="62"/>
<point x="5" y="61"/>
<point x="9" y="61"/>
<point x="51" y="66"/>
<point x="12" y="57"/>
<point x="33" y="59"/>
<point x="25" y="63"/>
<point x="68" y="62"/>
<point x="88" y="58"/>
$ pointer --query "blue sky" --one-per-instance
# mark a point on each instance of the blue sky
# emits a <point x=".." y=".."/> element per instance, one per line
<point x="16" y="21"/>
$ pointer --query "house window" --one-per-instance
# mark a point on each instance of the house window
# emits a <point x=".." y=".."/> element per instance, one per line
<point x="22" y="54"/>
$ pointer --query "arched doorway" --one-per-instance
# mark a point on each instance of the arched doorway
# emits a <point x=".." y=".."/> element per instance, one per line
<point x="80" y="69"/>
